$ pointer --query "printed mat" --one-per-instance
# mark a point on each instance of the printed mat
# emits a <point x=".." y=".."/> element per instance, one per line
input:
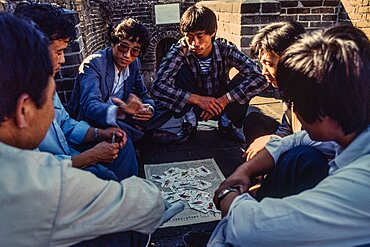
<point x="193" y="182"/>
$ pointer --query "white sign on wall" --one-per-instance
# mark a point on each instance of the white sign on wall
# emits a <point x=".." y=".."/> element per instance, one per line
<point x="167" y="13"/>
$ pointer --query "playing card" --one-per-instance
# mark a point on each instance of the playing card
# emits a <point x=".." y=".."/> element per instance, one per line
<point x="203" y="171"/>
<point x="170" y="196"/>
<point x="156" y="178"/>
<point x="202" y="185"/>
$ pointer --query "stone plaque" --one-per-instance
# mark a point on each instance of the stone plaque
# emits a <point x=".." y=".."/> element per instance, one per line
<point x="167" y="13"/>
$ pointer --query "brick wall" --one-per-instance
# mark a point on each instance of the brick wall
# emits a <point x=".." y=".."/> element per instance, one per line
<point x="238" y="21"/>
<point x="144" y="12"/>
<point x="356" y="12"/>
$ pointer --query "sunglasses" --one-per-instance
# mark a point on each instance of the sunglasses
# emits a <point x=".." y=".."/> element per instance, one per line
<point x="123" y="48"/>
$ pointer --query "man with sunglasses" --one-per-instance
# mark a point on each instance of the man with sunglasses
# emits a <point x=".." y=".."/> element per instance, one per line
<point x="91" y="149"/>
<point x="109" y="89"/>
<point x="193" y="79"/>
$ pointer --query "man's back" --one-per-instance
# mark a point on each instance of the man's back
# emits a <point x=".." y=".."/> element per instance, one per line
<point x="46" y="202"/>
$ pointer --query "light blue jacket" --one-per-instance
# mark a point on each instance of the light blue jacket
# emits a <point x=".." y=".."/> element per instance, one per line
<point x="334" y="213"/>
<point x="63" y="132"/>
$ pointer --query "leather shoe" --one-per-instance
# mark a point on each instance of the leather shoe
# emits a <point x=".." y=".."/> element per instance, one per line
<point x="231" y="133"/>
<point x="196" y="239"/>
<point x="185" y="132"/>
<point x="161" y="136"/>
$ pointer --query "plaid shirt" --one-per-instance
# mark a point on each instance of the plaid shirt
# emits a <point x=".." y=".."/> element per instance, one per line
<point x="225" y="56"/>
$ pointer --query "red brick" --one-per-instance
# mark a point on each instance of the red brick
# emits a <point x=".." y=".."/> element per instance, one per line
<point x="250" y="8"/>
<point x="289" y="3"/>
<point x="322" y="10"/>
<point x="331" y="3"/>
<point x="298" y="11"/>
<point x="270" y="7"/>
<point x="309" y="18"/>
<point x="329" y="17"/>
<point x="312" y="3"/>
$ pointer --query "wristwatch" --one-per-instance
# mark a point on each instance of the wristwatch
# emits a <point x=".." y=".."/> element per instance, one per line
<point x="225" y="192"/>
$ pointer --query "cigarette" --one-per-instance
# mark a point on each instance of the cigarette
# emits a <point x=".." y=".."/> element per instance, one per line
<point x="242" y="149"/>
<point x="114" y="138"/>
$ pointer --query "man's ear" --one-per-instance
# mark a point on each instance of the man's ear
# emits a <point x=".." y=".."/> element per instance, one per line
<point x="22" y="111"/>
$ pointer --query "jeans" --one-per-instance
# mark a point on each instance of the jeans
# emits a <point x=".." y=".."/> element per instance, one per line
<point x="124" y="166"/>
<point x="298" y="169"/>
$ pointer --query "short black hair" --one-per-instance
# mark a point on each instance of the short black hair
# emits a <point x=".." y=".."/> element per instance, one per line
<point x="198" y="18"/>
<point x="276" y="37"/>
<point x="326" y="73"/>
<point x="53" y="21"/>
<point x="132" y="30"/>
<point x="25" y="65"/>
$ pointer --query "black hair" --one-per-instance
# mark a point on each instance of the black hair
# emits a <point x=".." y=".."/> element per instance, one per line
<point x="25" y="65"/>
<point x="198" y="18"/>
<point x="276" y="37"/>
<point x="132" y="30"/>
<point x="53" y="21"/>
<point x="326" y="73"/>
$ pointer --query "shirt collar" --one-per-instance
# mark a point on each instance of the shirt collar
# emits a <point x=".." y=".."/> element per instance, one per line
<point x="216" y="53"/>
<point x="360" y="146"/>
<point x="125" y="73"/>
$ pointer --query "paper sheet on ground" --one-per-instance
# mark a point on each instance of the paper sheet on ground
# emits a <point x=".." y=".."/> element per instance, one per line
<point x="193" y="182"/>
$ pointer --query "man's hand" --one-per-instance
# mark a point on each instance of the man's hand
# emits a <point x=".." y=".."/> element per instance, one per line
<point x="132" y="105"/>
<point x="207" y="103"/>
<point x="240" y="178"/>
<point x="144" y="114"/>
<point x="222" y="102"/>
<point x="105" y="152"/>
<point x="256" y="146"/>
<point x="120" y="135"/>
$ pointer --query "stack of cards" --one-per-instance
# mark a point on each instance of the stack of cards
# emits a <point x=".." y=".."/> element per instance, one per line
<point x="187" y="185"/>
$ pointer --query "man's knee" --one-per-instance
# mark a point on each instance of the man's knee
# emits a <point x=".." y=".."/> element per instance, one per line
<point x="305" y="166"/>
<point x="303" y="156"/>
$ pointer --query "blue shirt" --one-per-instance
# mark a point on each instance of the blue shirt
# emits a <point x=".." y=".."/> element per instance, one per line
<point x="63" y="132"/>
<point x="334" y="213"/>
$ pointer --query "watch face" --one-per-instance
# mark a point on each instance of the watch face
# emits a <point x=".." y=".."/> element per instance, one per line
<point x="223" y="193"/>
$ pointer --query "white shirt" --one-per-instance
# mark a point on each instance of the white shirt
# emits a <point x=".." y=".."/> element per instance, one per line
<point x="118" y="86"/>
<point x="334" y="213"/>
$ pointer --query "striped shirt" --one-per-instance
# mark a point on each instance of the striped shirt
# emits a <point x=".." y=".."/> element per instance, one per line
<point x="204" y="64"/>
<point x="225" y="56"/>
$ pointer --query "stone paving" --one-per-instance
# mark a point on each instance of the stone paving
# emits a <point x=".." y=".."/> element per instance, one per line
<point x="207" y="143"/>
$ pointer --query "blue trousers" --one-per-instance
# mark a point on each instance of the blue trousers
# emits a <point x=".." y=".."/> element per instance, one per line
<point x="124" y="166"/>
<point x="298" y="169"/>
<point x="121" y="239"/>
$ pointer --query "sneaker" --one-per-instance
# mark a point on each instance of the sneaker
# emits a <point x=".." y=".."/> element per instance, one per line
<point x="231" y="133"/>
<point x="196" y="238"/>
<point x="185" y="132"/>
